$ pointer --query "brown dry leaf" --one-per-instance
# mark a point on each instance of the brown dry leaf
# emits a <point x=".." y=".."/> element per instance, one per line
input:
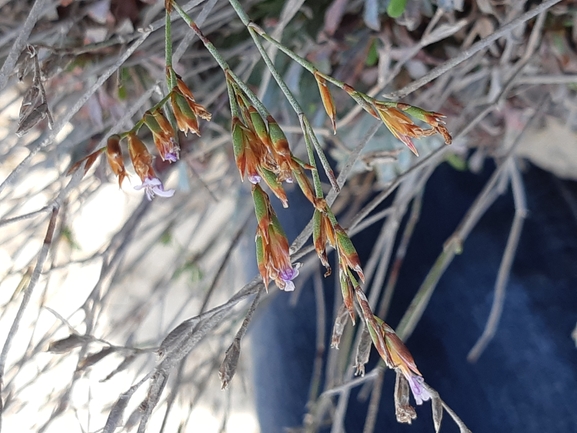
<point x="31" y="118"/>
<point x="363" y="352"/>
<point x="92" y="359"/>
<point x="229" y="364"/>
<point x="29" y="101"/>
<point x="404" y="412"/>
<point x="339" y="326"/>
<point x="437" y="407"/>
<point x="67" y="344"/>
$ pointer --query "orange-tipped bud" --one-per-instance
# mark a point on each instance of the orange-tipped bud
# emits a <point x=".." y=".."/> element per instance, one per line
<point x="327" y="99"/>
<point x="185" y="117"/>
<point x="277" y="137"/>
<point x="90" y="160"/>
<point x="140" y="157"/>
<point x="114" y="157"/>
<point x="303" y="182"/>
<point x="279" y="264"/>
<point x="432" y="118"/>
<point x="348" y="256"/>
<point x="259" y="127"/>
<point x="275" y="186"/>
<point x="402" y="360"/>
<point x="263" y="210"/>
<point x="399" y="354"/>
<point x="400" y="125"/>
<point x="163" y="135"/>
<point x="347" y="290"/>
<point x="272" y="249"/>
<point x="322" y="232"/>
<point x="249" y="152"/>
<point x="183" y="88"/>
<point x="392" y="350"/>
<point x="142" y="163"/>
<point x="198" y="109"/>
<point x="280" y="151"/>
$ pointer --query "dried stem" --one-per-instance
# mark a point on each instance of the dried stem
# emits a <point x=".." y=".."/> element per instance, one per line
<point x="470" y="52"/>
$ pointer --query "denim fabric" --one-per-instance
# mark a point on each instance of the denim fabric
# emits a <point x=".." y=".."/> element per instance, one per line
<point x="525" y="381"/>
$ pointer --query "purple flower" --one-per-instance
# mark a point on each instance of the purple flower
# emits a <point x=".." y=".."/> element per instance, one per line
<point x="254" y="178"/>
<point x="286" y="276"/>
<point x="153" y="186"/>
<point x="170" y="156"/>
<point x="417" y="387"/>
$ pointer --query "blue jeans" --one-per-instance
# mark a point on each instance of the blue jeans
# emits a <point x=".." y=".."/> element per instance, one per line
<point x="525" y="380"/>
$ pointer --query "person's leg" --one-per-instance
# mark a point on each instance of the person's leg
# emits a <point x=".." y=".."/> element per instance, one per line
<point x="525" y="381"/>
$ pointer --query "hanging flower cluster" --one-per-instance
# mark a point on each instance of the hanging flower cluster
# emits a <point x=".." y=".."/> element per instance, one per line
<point x="263" y="156"/>
<point x="186" y="112"/>
<point x="272" y="248"/>
<point x="261" y="149"/>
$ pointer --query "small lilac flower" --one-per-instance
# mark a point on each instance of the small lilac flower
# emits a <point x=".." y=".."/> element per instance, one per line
<point x="286" y="276"/>
<point x="419" y="391"/>
<point x="171" y="156"/>
<point x="254" y="179"/>
<point x="153" y="186"/>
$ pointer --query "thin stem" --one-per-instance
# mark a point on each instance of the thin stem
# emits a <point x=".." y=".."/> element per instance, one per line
<point x="23" y="33"/>
<point x="320" y="337"/>
<point x="311" y="156"/>
<point x="40" y="261"/>
<point x="24" y="217"/>
<point x="222" y="62"/>
<point x="400" y="255"/>
<point x="305" y="124"/>
<point x="300" y="60"/>
<point x="506" y="263"/>
<point x="171" y="77"/>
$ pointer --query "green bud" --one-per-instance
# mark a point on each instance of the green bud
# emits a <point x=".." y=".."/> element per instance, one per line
<point x="416" y="112"/>
<point x="271" y="180"/>
<point x="344" y="241"/>
<point x="258" y="125"/>
<point x="238" y="143"/>
<point x="261" y="259"/>
<point x="259" y="250"/>
<point x="275" y="131"/>
<point x="276" y="226"/>
<point x="317" y="224"/>
<point x="184" y="106"/>
<point x="277" y="137"/>
<point x="261" y="204"/>
<point x="151" y="123"/>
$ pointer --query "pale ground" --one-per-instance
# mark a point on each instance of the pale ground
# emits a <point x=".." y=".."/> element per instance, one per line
<point x="95" y="222"/>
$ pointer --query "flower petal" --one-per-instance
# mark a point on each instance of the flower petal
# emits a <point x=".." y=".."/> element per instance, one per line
<point x="153" y="186"/>
<point x="288" y="274"/>
<point x="161" y="192"/>
<point x="419" y="391"/>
